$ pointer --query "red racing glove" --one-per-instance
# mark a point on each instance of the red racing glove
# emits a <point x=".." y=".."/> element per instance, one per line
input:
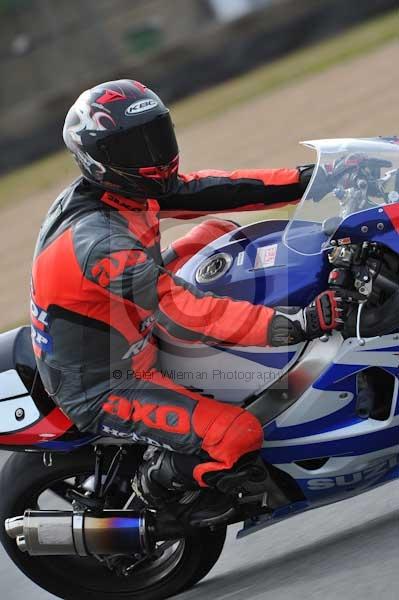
<point x="291" y="325"/>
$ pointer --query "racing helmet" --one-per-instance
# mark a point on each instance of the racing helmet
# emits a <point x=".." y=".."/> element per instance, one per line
<point x="122" y="137"/>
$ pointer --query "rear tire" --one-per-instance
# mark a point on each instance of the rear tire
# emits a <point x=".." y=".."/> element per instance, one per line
<point x="24" y="476"/>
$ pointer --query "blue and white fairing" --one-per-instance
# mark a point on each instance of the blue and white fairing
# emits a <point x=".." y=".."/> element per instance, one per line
<point x="321" y="440"/>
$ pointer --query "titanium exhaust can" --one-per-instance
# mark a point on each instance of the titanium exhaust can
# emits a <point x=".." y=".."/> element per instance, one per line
<point x="42" y="533"/>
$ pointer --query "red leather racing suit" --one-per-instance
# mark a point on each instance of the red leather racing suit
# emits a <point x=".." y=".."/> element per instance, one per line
<point x="99" y="291"/>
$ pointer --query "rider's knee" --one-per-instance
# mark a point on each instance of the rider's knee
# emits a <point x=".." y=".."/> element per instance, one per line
<point x="199" y="236"/>
<point x="232" y="434"/>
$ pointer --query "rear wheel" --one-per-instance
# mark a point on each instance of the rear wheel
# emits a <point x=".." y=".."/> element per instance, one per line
<point x="27" y="483"/>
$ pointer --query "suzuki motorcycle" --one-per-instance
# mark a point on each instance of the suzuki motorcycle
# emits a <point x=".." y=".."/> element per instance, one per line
<point x="72" y="516"/>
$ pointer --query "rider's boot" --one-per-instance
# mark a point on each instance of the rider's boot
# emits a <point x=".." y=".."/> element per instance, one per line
<point x="166" y="480"/>
<point x="165" y="476"/>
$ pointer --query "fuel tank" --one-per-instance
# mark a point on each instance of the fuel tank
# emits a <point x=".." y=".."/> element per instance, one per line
<point x="251" y="263"/>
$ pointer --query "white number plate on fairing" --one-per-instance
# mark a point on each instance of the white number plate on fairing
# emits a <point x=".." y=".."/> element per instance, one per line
<point x="266" y="257"/>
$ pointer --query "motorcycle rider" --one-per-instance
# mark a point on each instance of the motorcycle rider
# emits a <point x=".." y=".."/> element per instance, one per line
<point x="101" y="289"/>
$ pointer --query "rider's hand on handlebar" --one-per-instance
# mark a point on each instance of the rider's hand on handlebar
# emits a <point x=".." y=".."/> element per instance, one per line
<point x="305" y="175"/>
<point x="322" y="184"/>
<point x="324" y="314"/>
<point x="291" y="325"/>
<point x="346" y="172"/>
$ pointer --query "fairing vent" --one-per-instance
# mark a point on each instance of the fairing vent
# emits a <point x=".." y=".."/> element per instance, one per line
<point x="312" y="464"/>
<point x="375" y="390"/>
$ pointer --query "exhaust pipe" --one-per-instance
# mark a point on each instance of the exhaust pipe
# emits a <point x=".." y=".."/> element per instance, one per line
<point x="15" y="527"/>
<point x="67" y="533"/>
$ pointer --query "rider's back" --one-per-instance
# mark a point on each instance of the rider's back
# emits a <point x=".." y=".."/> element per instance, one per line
<point x="82" y="333"/>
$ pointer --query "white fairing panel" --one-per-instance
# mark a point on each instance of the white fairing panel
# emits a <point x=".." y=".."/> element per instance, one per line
<point x="313" y="404"/>
<point x="230" y="375"/>
<point x="339" y="472"/>
<point x="11" y="384"/>
<point x="15" y="413"/>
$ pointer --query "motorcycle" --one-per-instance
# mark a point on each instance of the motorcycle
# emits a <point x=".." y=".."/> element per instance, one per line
<point x="72" y="517"/>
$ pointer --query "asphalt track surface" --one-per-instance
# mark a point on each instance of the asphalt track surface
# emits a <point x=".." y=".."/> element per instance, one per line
<point x="348" y="551"/>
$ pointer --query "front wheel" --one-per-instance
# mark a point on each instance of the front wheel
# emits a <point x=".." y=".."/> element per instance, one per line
<point x="25" y="482"/>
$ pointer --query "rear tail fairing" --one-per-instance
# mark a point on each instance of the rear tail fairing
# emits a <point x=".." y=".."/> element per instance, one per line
<point x="29" y="419"/>
<point x="251" y="263"/>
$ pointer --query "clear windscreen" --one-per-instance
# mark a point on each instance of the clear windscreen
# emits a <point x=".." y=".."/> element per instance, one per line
<point x="351" y="175"/>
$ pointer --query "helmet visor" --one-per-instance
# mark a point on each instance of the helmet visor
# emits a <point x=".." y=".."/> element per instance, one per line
<point x="147" y="145"/>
